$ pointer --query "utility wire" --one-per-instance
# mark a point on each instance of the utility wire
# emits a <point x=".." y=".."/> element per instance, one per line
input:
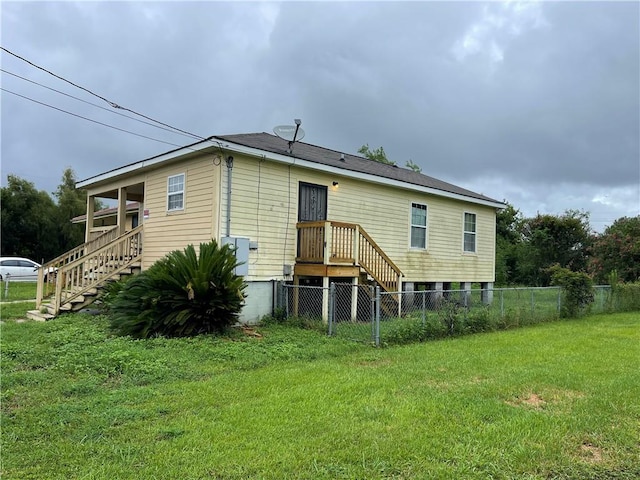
<point x="89" y="119"/>
<point x="112" y="104"/>
<point x="95" y="105"/>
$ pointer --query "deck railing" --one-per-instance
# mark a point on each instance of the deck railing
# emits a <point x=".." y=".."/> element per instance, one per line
<point x="339" y="243"/>
<point x="87" y="266"/>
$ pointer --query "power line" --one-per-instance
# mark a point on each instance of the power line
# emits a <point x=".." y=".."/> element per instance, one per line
<point x="95" y="105"/>
<point x="112" y="104"/>
<point x="89" y="119"/>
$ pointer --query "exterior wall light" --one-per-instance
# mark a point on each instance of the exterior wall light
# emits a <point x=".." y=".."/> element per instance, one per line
<point x="335" y="184"/>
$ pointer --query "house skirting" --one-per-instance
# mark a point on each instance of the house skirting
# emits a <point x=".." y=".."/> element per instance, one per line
<point x="259" y="302"/>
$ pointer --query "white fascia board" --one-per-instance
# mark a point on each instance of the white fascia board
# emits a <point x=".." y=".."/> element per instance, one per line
<point x="145" y="164"/>
<point x="356" y="175"/>
<point x="255" y="152"/>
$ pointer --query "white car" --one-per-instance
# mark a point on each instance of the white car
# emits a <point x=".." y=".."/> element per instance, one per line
<point x="18" y="269"/>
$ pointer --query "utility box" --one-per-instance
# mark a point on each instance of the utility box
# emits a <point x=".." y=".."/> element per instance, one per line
<point x="241" y="245"/>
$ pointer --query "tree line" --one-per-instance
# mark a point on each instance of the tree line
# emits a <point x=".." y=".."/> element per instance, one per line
<point x="527" y="249"/>
<point x="35" y="224"/>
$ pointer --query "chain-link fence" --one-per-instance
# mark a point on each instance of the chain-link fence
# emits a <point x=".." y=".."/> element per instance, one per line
<point x="364" y="313"/>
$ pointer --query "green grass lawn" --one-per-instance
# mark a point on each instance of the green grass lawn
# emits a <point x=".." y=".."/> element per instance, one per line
<point x="555" y="400"/>
<point x="17" y="291"/>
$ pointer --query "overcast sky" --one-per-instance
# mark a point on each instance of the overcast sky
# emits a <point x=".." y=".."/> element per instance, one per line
<point x="535" y="103"/>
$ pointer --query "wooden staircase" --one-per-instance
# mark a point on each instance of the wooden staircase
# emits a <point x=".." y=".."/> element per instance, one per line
<point x="340" y="243"/>
<point x="348" y="244"/>
<point x="340" y="249"/>
<point x="72" y="281"/>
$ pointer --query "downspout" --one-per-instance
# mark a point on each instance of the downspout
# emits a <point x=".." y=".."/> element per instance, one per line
<point x="229" y="169"/>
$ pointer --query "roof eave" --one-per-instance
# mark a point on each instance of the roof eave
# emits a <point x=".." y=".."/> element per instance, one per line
<point x="276" y="157"/>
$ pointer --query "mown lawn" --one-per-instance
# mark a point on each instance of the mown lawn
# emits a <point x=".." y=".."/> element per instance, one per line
<point x="17" y="291"/>
<point x="556" y="400"/>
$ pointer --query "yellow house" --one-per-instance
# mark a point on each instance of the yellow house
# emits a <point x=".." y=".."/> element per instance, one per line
<point x="300" y="213"/>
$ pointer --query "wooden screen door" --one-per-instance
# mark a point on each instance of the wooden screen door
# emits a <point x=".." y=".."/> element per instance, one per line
<point x="312" y="202"/>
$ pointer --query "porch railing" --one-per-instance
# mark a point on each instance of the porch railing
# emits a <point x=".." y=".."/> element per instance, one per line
<point x="340" y="243"/>
<point x="87" y="266"/>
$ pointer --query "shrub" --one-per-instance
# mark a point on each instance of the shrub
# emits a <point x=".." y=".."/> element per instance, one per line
<point x="109" y="292"/>
<point x="625" y="297"/>
<point x="577" y="290"/>
<point x="182" y="294"/>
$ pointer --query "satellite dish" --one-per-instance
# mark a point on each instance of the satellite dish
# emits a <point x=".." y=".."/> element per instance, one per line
<point x="290" y="133"/>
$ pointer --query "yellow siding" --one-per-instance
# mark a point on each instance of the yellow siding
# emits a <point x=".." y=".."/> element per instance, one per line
<point x="264" y="209"/>
<point x="166" y="231"/>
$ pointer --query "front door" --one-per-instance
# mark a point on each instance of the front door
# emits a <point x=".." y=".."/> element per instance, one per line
<point x="312" y="202"/>
<point x="312" y="207"/>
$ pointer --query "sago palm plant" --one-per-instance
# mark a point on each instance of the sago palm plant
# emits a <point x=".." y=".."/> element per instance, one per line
<point x="184" y="293"/>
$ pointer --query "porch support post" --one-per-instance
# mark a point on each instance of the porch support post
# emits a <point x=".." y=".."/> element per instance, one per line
<point x="399" y="296"/>
<point x="140" y="212"/>
<point x="354" y="299"/>
<point x="439" y="288"/>
<point x="325" y="299"/>
<point x="487" y="292"/>
<point x="91" y="206"/>
<point x="356" y="245"/>
<point x="296" y="294"/>
<point x="465" y="288"/>
<point x="327" y="245"/>
<point x="122" y="210"/>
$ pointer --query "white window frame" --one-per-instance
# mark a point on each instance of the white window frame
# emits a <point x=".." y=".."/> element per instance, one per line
<point x="412" y="225"/>
<point x="474" y="233"/>
<point x="177" y="192"/>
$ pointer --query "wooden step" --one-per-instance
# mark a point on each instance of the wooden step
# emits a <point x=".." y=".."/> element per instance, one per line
<point x="39" y="316"/>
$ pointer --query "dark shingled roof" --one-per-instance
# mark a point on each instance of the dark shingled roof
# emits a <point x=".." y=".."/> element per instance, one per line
<point x="325" y="156"/>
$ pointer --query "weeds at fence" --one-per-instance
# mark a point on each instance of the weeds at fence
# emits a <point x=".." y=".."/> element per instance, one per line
<point x="361" y="313"/>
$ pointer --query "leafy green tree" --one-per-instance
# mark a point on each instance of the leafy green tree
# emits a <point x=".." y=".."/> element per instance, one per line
<point x="71" y="203"/>
<point x="183" y="294"/>
<point x="377" y="155"/>
<point x="413" y="166"/>
<point x="509" y="222"/>
<point x="617" y="249"/>
<point x="380" y="156"/>
<point x="29" y="221"/>
<point x="577" y="290"/>
<point x="549" y="240"/>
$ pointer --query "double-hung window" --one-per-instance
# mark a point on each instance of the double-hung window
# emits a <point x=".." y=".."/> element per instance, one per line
<point x="469" y="232"/>
<point x="175" y="192"/>
<point x="418" y="225"/>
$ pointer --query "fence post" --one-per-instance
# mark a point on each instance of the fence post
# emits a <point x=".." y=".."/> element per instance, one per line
<point x="559" y="299"/>
<point x="502" y="302"/>
<point x="533" y="302"/>
<point x="285" y="290"/>
<point x="377" y="336"/>
<point x="332" y="306"/>
<point x="372" y="311"/>
<point x="6" y="286"/>
<point x="424" y="308"/>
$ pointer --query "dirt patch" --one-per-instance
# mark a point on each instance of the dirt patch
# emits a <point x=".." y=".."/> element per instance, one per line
<point x="251" y="332"/>
<point x="548" y="397"/>
<point x="591" y="454"/>
<point x="528" y="400"/>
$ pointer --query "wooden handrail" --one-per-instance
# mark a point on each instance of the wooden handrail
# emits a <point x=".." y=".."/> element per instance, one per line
<point x="381" y="252"/>
<point x="52" y="266"/>
<point x="80" y="275"/>
<point x="331" y="242"/>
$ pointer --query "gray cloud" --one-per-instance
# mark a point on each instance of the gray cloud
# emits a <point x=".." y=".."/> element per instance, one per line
<point x="537" y="103"/>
